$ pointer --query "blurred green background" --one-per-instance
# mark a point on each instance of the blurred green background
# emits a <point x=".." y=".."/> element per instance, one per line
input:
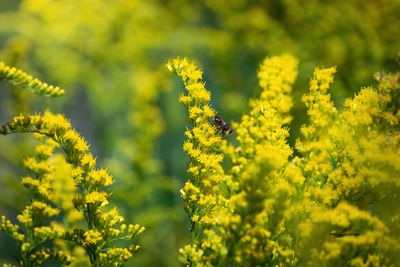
<point x="110" y="56"/>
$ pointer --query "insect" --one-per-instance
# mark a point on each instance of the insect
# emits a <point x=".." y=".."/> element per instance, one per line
<point x="222" y="126"/>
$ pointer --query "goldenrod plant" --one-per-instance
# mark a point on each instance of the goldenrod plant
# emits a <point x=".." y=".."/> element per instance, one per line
<point x="350" y="162"/>
<point x="93" y="196"/>
<point x="111" y="55"/>
<point x="333" y="205"/>
<point x="205" y="169"/>
<point x="201" y="192"/>
<point x="103" y="226"/>
<point x="120" y="101"/>
<point x="35" y="217"/>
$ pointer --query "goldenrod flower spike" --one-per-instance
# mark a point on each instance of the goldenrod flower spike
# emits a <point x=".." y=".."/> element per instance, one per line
<point x="276" y="77"/>
<point x="33" y="231"/>
<point x="316" y="148"/>
<point x="17" y="77"/>
<point x="320" y="107"/>
<point x="259" y="171"/>
<point x="93" y="184"/>
<point x="201" y="192"/>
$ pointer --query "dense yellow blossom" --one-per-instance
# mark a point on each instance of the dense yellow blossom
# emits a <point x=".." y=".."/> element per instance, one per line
<point x="125" y="40"/>
<point x="257" y="215"/>
<point x="92" y="182"/>
<point x="277" y="87"/>
<point x="92" y="237"/>
<point x="200" y="147"/>
<point x="201" y="192"/>
<point x="350" y="163"/>
<point x="326" y="207"/>
<point x="40" y="210"/>
<point x="97" y="198"/>
<point x="238" y="231"/>
<point x="117" y="256"/>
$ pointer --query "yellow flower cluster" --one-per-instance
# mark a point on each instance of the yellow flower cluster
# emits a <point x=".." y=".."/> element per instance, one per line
<point x="98" y="198"/>
<point x="277" y="87"/>
<point x="322" y="115"/>
<point x="258" y="164"/>
<point x="11" y="229"/>
<point x="320" y="108"/>
<point x="35" y="213"/>
<point x="64" y="189"/>
<point x="343" y="229"/>
<point x="350" y="162"/>
<point x="40" y="210"/>
<point x="42" y="255"/>
<point x="201" y="191"/>
<point x="117" y="256"/>
<point x="239" y="218"/>
<point x="92" y="182"/>
<point x="111" y="217"/>
<point x="17" y="77"/>
<point x="92" y="237"/>
<point x="334" y="205"/>
<point x="45" y="232"/>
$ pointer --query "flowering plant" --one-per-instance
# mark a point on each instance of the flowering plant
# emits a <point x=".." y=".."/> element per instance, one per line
<point x="264" y="206"/>
<point x="91" y="199"/>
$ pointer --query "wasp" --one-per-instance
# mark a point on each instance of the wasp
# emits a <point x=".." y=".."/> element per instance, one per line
<point x="222" y="126"/>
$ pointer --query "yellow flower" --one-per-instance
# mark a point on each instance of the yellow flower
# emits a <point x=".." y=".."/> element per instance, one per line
<point x="92" y="237"/>
<point x="71" y="136"/>
<point x="195" y="218"/>
<point x="201" y="96"/>
<point x="88" y="161"/>
<point x="186" y="100"/>
<point x="81" y="146"/>
<point x="97" y="198"/>
<point x="111" y="218"/>
<point x="194" y="112"/>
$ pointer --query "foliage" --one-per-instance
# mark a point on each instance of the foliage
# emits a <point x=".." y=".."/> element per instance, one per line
<point x="326" y="207"/>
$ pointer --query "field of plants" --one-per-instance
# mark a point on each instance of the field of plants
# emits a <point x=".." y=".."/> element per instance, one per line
<point x="199" y="133"/>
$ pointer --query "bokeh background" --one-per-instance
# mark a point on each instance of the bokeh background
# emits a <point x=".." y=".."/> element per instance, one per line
<point x="110" y="56"/>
